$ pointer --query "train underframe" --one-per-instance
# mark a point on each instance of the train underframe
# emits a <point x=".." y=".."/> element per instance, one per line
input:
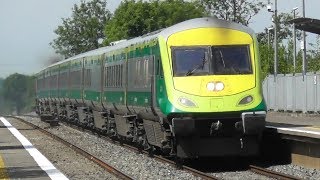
<point x="178" y="136"/>
<point x="225" y="134"/>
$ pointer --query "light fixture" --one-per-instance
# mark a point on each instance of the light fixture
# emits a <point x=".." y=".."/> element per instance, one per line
<point x="186" y="102"/>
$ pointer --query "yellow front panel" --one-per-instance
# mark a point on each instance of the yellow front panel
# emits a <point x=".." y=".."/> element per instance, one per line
<point x="197" y="85"/>
<point x="209" y="36"/>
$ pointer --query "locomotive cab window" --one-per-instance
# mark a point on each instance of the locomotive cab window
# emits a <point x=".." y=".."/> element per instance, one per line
<point x="215" y="60"/>
<point x="190" y="61"/>
<point x="228" y="60"/>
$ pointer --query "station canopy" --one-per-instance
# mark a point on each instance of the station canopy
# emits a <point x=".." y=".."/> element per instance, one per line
<point x="307" y="24"/>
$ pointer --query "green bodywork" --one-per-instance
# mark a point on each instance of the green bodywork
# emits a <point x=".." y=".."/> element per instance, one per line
<point x="155" y="48"/>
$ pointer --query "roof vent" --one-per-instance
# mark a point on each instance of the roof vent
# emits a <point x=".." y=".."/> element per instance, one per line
<point x="117" y="42"/>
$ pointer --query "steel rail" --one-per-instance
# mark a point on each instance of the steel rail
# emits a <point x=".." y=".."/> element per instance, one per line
<point x="270" y="173"/>
<point x="92" y="158"/>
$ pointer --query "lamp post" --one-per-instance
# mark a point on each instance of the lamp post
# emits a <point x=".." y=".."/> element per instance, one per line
<point x="294" y="41"/>
<point x="275" y="36"/>
<point x="269" y="29"/>
<point x="304" y="58"/>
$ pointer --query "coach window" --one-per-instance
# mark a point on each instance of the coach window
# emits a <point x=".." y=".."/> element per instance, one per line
<point x="121" y="73"/>
<point x="111" y="76"/>
<point x="53" y="79"/>
<point x="117" y="75"/>
<point x="114" y="76"/>
<point x="62" y="80"/>
<point x="159" y="69"/>
<point x="137" y="74"/>
<point x="105" y="77"/>
<point x="39" y="84"/>
<point x="45" y="79"/>
<point x="146" y="72"/>
<point x="108" y="76"/>
<point x="87" y="78"/>
<point x="75" y="80"/>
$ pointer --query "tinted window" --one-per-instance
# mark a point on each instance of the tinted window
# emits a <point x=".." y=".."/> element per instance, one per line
<point x="215" y="60"/>
<point x="231" y="60"/>
<point x="190" y="61"/>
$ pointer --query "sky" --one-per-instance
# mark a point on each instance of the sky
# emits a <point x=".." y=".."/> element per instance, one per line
<point x="27" y="27"/>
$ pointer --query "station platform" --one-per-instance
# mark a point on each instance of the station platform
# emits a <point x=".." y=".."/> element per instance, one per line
<point x="19" y="159"/>
<point x="294" y="135"/>
<point x="295" y="124"/>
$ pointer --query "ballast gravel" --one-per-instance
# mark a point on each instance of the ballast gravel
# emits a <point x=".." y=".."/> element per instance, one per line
<point x="140" y="166"/>
<point x="71" y="164"/>
<point x="297" y="171"/>
<point x="239" y="175"/>
<point x="137" y="166"/>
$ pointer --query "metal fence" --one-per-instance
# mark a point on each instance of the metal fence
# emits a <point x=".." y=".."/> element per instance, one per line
<point x="293" y="92"/>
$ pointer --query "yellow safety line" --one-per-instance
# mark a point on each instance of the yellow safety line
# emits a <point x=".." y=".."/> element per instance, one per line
<point x="3" y="170"/>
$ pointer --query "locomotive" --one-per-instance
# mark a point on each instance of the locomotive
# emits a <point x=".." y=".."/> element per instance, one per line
<point x="190" y="90"/>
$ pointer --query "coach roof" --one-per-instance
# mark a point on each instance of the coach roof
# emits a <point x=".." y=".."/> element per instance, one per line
<point x="206" y="22"/>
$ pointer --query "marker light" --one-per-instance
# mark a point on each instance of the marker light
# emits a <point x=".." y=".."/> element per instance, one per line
<point x="246" y="100"/>
<point x="186" y="102"/>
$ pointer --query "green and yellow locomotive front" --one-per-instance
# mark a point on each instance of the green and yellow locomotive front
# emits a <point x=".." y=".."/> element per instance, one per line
<point x="213" y="88"/>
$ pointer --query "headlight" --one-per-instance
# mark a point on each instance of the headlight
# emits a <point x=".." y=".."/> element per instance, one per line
<point x="186" y="102"/>
<point x="211" y="86"/>
<point x="246" y="100"/>
<point x="219" y="86"/>
<point x="215" y="86"/>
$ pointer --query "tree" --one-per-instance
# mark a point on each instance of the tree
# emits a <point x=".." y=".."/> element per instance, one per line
<point x="240" y="11"/>
<point x="81" y="32"/>
<point x="18" y="90"/>
<point x="135" y="18"/>
<point x="285" y="47"/>
<point x="314" y="57"/>
<point x="1" y="82"/>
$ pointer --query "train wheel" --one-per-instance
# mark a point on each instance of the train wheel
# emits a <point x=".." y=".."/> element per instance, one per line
<point x="179" y="162"/>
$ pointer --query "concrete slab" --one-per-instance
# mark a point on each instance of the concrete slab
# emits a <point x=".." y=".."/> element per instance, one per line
<point x="21" y="160"/>
<point x="296" y="124"/>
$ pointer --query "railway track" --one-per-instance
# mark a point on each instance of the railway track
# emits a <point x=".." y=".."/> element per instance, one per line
<point x="272" y="174"/>
<point x="92" y="158"/>
<point x="104" y="165"/>
<point x="197" y="173"/>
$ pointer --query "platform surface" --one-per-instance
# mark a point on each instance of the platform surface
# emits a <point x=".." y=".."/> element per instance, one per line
<point x="297" y="124"/>
<point x="19" y="159"/>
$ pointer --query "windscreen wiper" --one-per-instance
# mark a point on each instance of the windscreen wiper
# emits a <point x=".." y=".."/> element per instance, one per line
<point x="191" y="71"/>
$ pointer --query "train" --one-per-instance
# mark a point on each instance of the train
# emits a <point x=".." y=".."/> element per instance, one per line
<point x="190" y="90"/>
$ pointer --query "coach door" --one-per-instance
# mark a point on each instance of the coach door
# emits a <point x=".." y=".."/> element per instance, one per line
<point x="140" y="78"/>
